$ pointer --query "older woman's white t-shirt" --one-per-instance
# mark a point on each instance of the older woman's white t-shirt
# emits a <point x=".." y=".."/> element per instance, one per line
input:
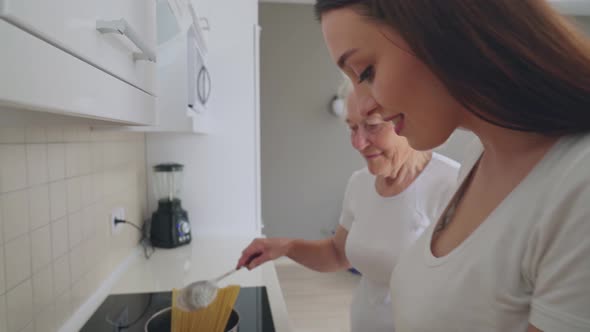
<point x="529" y="261"/>
<point x="380" y="228"/>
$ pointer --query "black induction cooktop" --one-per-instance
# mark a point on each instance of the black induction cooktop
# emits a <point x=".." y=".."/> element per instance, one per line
<point x="130" y="312"/>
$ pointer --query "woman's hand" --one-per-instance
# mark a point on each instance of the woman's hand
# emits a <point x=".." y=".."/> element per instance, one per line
<point x="267" y="249"/>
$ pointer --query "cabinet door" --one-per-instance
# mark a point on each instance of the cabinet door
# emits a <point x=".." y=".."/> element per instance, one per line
<point x="38" y="76"/>
<point x="71" y="25"/>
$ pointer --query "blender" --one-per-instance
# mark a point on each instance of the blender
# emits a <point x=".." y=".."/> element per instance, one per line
<point x="170" y="226"/>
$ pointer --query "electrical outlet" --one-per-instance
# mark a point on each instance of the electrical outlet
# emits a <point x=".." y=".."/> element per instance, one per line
<point x="117" y="213"/>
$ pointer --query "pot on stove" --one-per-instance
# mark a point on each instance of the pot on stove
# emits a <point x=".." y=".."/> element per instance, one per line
<point x="161" y="321"/>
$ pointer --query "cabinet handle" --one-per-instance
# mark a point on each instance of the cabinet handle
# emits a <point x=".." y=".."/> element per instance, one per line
<point x="122" y="27"/>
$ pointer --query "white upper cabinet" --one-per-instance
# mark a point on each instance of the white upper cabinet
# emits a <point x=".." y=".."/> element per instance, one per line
<point x="72" y="26"/>
<point x="90" y="58"/>
<point x="37" y="76"/>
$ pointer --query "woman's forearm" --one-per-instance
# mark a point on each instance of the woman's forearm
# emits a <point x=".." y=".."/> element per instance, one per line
<point x="320" y="255"/>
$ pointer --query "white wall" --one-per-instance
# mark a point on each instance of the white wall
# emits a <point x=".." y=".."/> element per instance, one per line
<point x="220" y="185"/>
<point x="306" y="154"/>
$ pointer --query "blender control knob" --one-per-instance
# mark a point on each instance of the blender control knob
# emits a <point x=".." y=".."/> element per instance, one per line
<point x="185" y="227"/>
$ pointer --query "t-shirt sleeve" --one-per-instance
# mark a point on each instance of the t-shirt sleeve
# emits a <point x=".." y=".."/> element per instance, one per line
<point x="558" y="264"/>
<point x="347" y="215"/>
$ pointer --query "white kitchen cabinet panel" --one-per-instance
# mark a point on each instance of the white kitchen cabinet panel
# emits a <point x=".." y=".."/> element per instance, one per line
<point x="71" y="25"/>
<point x="38" y="76"/>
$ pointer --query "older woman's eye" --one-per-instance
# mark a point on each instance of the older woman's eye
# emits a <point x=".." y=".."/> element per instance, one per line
<point x="367" y="75"/>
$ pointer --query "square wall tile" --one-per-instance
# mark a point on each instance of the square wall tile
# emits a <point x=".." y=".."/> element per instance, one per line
<point x="36" y="135"/>
<point x="58" y="199"/>
<point x="85" y="133"/>
<point x="72" y="159"/>
<point x="1" y="224"/>
<point x="97" y="156"/>
<point x="55" y="135"/>
<point x="41" y="247"/>
<point x="13" y="169"/>
<point x="42" y="289"/>
<point x="63" y="307"/>
<point x="77" y="264"/>
<point x="19" y="304"/>
<point x="75" y="223"/>
<point x="84" y="159"/>
<point x="2" y="279"/>
<point x="56" y="156"/>
<point x="88" y="225"/>
<point x="79" y="294"/>
<point x="61" y="275"/>
<point x="72" y="134"/>
<point x="98" y="179"/>
<point x="59" y="237"/>
<point x="74" y="193"/>
<point x="87" y="191"/>
<point x="12" y="135"/>
<point x="39" y="210"/>
<point x="15" y="214"/>
<point x="37" y="166"/>
<point x="3" y="327"/>
<point x="45" y="320"/>
<point x="18" y="261"/>
<point x="28" y="328"/>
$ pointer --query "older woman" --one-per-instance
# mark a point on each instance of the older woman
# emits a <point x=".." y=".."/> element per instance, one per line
<point x="511" y="251"/>
<point x="386" y="207"/>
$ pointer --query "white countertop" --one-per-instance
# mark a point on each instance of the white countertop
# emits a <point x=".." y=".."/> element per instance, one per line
<point x="204" y="258"/>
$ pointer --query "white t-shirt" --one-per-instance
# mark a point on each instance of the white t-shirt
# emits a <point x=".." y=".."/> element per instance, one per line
<point x="380" y="228"/>
<point x="529" y="261"/>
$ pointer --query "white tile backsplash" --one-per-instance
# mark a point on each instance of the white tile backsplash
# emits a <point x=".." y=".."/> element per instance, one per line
<point x="56" y="156"/>
<point x="59" y="237"/>
<point x="35" y="135"/>
<point x="41" y="247"/>
<point x="3" y="326"/>
<point x="12" y="135"/>
<point x="88" y="224"/>
<point x="61" y="275"/>
<point x="84" y="159"/>
<point x="75" y="223"/>
<point x="17" y="261"/>
<point x="13" y="168"/>
<point x="74" y="193"/>
<point x="87" y="190"/>
<point x="29" y="328"/>
<point x="45" y="320"/>
<point x="19" y="305"/>
<point x="37" y="165"/>
<point x="39" y="209"/>
<point x="73" y="151"/>
<point x="55" y="135"/>
<point x="15" y="214"/>
<point x="42" y="289"/>
<point x="58" y="199"/>
<point x="63" y="307"/>
<point x="57" y="189"/>
<point x="2" y="278"/>
<point x="1" y="224"/>
<point x="77" y="263"/>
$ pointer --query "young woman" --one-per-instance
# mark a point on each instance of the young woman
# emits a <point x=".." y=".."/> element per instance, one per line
<point x="511" y="251"/>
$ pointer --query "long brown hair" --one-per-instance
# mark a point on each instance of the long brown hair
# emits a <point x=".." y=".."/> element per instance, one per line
<point x="515" y="63"/>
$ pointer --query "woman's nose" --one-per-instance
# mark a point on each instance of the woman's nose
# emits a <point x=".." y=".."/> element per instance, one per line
<point x="359" y="140"/>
